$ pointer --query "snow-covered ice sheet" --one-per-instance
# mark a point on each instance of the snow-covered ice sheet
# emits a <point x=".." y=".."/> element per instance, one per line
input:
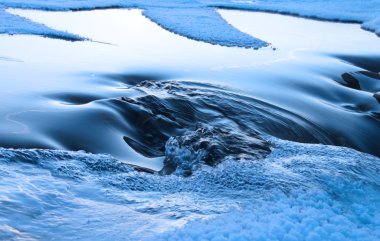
<point x="363" y="12"/>
<point x="187" y="18"/>
<point x="199" y="20"/>
<point x="334" y="10"/>
<point x="202" y="24"/>
<point x="299" y="192"/>
<point x="373" y="25"/>
<point x="333" y="195"/>
<point x="13" y="24"/>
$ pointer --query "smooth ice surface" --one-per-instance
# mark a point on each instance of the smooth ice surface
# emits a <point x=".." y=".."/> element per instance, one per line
<point x="199" y="20"/>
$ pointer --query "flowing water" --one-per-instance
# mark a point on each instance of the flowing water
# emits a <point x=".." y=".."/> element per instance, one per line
<point x="269" y="144"/>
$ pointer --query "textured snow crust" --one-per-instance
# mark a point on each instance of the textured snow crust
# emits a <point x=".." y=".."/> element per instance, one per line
<point x="197" y="20"/>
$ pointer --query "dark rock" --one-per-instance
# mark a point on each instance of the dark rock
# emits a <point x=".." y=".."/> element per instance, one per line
<point x="377" y="96"/>
<point x="351" y="81"/>
<point x="210" y="146"/>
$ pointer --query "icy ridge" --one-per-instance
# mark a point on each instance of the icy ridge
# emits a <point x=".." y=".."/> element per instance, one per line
<point x="328" y="193"/>
<point x="197" y="20"/>
<point x="13" y="24"/>
<point x="366" y="13"/>
<point x="298" y="192"/>
<point x="202" y="24"/>
<point x="187" y="18"/>
<point x="373" y="25"/>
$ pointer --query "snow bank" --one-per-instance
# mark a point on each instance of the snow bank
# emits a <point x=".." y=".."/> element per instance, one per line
<point x="202" y="24"/>
<point x="365" y="12"/>
<point x="328" y="193"/>
<point x="311" y="216"/>
<point x="333" y="10"/>
<point x="373" y="25"/>
<point x="13" y="24"/>
<point x="186" y="18"/>
<point x="299" y="192"/>
<point x="198" y="20"/>
<point x="57" y="5"/>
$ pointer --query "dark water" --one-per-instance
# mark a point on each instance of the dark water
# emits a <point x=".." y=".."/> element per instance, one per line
<point x="151" y="108"/>
<point x="294" y="93"/>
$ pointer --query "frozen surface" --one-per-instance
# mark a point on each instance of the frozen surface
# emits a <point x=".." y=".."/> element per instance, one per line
<point x="300" y="191"/>
<point x="13" y="24"/>
<point x="187" y="18"/>
<point x="203" y="24"/>
<point x="373" y="25"/>
<point x="319" y="193"/>
<point x="198" y="20"/>
<point x="364" y="12"/>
